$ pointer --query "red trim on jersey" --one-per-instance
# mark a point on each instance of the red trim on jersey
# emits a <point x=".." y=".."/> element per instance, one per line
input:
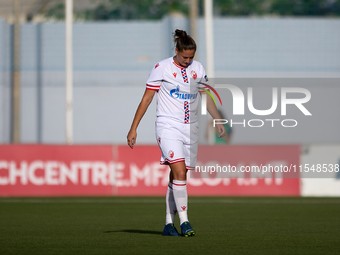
<point x="166" y="161"/>
<point x="179" y="184"/>
<point x="202" y="91"/>
<point x="152" y="87"/>
<point x="169" y="162"/>
<point x="157" y="86"/>
<point x="178" y="65"/>
<point x="169" y="186"/>
<point x="190" y="168"/>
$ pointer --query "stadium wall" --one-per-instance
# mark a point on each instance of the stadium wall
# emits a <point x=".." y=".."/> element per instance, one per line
<point x="112" y="61"/>
<point x="116" y="170"/>
<point x="5" y="80"/>
<point x="320" y="154"/>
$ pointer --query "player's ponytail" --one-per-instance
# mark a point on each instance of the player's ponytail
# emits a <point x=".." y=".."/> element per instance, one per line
<point x="183" y="41"/>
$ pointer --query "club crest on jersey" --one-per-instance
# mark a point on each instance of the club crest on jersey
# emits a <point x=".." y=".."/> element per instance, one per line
<point x="193" y="74"/>
<point x="171" y="154"/>
<point x="175" y="94"/>
<point x="157" y="65"/>
<point x="174" y="74"/>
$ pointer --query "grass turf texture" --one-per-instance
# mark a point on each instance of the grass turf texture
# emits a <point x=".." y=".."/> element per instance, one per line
<point x="134" y="226"/>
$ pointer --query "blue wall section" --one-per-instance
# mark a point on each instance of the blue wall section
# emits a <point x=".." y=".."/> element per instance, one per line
<point x="297" y="45"/>
<point x="5" y="80"/>
<point x="112" y="61"/>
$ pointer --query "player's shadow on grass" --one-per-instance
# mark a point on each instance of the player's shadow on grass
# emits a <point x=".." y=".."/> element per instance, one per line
<point x="135" y="231"/>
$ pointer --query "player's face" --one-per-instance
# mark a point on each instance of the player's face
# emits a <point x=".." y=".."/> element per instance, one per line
<point x="184" y="57"/>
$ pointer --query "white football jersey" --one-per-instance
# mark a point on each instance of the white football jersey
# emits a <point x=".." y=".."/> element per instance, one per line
<point x="177" y="98"/>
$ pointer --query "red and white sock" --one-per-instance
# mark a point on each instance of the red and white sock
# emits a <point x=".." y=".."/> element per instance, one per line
<point x="181" y="199"/>
<point x="171" y="209"/>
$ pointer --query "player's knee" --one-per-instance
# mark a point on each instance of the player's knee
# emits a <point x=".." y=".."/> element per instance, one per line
<point x="180" y="175"/>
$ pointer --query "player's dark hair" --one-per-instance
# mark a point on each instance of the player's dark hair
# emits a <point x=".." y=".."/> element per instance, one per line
<point x="183" y="41"/>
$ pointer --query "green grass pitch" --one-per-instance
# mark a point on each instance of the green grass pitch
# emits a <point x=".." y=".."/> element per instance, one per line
<point x="133" y="225"/>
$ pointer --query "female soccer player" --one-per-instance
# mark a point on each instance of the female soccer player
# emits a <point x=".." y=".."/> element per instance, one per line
<point x="176" y="124"/>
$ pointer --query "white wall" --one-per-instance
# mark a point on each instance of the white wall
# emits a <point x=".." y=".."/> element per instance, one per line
<point x="321" y="154"/>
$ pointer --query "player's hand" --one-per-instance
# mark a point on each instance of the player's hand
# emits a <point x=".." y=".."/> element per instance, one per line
<point x="131" y="138"/>
<point x="221" y="130"/>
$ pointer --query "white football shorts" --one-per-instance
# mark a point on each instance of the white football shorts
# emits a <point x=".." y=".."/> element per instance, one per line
<point x="177" y="141"/>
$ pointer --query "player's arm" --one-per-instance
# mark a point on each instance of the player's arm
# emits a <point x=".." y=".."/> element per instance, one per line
<point x="143" y="106"/>
<point x="211" y="107"/>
